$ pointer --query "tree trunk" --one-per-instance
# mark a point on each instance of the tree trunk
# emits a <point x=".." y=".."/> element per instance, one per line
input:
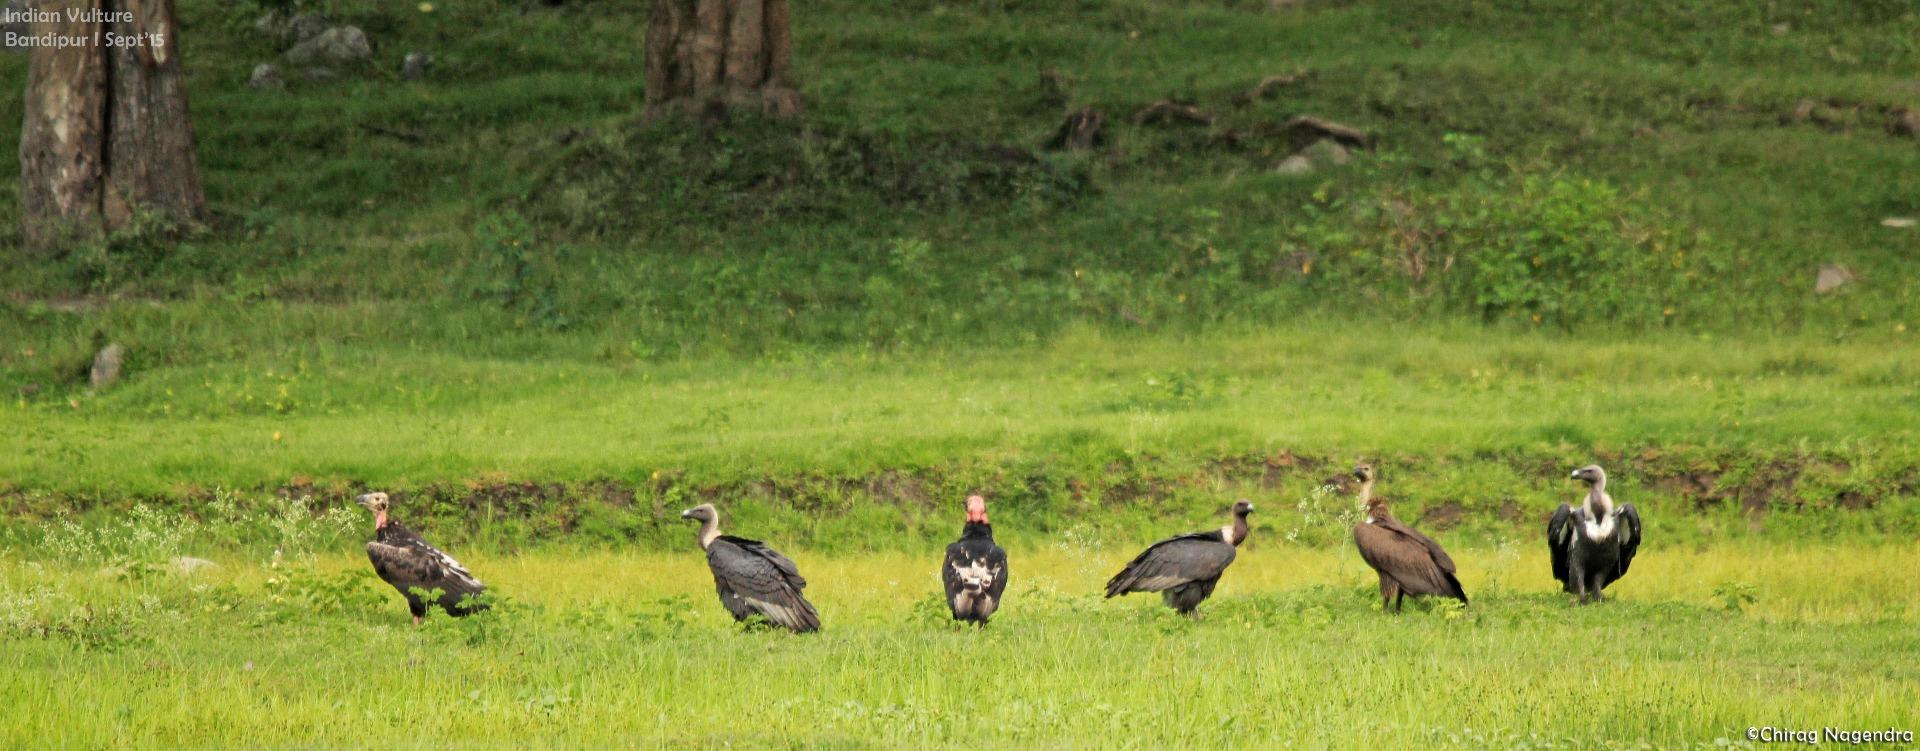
<point x="715" y="56"/>
<point x="106" y="135"/>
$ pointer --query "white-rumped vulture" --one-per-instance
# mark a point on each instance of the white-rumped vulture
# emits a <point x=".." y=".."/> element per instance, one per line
<point x="412" y="566"/>
<point x="1592" y="543"/>
<point x="975" y="571"/>
<point x="1409" y="563"/>
<point x="1184" y="569"/>
<point x="753" y="579"/>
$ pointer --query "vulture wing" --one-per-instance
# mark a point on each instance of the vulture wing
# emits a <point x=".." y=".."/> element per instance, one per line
<point x="1560" y="543"/>
<point x="1629" y="536"/>
<point x="974" y="559"/>
<point x="752" y="578"/>
<point x="1169" y="563"/>
<point x="411" y="563"/>
<point x="1433" y="550"/>
<point x="1411" y="559"/>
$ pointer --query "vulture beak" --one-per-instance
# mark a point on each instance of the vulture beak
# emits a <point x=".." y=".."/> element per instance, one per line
<point x="687" y="514"/>
<point x="365" y="500"/>
<point x="1576" y="474"/>
<point x="1359" y="475"/>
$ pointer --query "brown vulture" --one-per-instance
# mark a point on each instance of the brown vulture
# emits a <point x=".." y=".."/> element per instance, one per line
<point x="1409" y="563"/>
<point x="975" y="572"/>
<point x="1183" y="569"/>
<point x="1593" y="543"/>
<point x="408" y="563"/>
<point x="751" y="577"/>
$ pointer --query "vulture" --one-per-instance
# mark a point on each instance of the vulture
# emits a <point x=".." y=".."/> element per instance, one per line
<point x="408" y="563"/>
<point x="1184" y="568"/>
<point x="752" y="578"/>
<point x="1592" y="543"/>
<point x="975" y="572"/>
<point x="1409" y="563"/>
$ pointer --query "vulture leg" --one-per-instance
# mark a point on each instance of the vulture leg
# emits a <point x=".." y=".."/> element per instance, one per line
<point x="417" y="607"/>
<point x="1399" y="599"/>
<point x="1388" y="589"/>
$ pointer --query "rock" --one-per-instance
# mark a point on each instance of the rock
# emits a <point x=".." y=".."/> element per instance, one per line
<point x="416" y="66"/>
<point x="319" y="74"/>
<point x="340" y="45"/>
<point x="106" y="365"/>
<point x="1832" y="276"/>
<point x="1781" y="29"/>
<point x="307" y="26"/>
<point x="1297" y="164"/>
<point x="1327" y="151"/>
<point x="1906" y="122"/>
<point x="188" y="564"/>
<point x="266" y="76"/>
<point x="275" y="25"/>
<point x="1346" y="134"/>
<point x="1899" y="222"/>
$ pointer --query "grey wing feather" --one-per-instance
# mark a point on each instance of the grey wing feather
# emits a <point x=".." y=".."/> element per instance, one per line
<point x="1560" y="541"/>
<point x="997" y="563"/>
<point x="417" y="565"/>
<point x="1629" y="536"/>
<point x="754" y="579"/>
<point x="1173" y="562"/>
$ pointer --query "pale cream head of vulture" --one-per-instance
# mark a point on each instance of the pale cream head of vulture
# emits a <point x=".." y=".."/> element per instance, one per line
<point x="1591" y="474"/>
<point x="709" y="518"/>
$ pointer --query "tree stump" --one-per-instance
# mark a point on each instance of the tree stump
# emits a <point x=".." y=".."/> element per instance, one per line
<point x="107" y="136"/>
<point x="715" y="56"/>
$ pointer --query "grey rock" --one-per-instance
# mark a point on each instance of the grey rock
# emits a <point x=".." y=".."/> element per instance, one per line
<point x="1327" y="151"/>
<point x="106" y="365"/>
<point x="416" y="66"/>
<point x="1899" y="222"/>
<point x="307" y="26"/>
<point x="319" y="74"/>
<point x="1832" y="276"/>
<point x="340" y="45"/>
<point x="1781" y="29"/>
<point x="266" y="76"/>
<point x="1295" y="165"/>
<point x="275" y="25"/>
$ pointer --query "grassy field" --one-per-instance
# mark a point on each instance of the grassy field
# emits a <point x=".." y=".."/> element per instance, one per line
<point x="1585" y="232"/>
<point x="624" y="650"/>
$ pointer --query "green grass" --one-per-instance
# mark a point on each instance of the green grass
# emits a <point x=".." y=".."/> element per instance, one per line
<point x="623" y="650"/>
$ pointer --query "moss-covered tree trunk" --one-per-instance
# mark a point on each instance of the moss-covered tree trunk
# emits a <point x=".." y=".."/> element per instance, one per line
<point x="106" y="136"/>
<point x="715" y="56"/>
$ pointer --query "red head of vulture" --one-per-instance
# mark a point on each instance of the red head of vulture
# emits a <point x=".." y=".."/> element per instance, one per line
<point x="1592" y="543"/>
<point x="408" y="563"/>
<point x="975" y="571"/>
<point x="1184" y="569"/>
<point x="753" y="579"/>
<point x="1409" y="563"/>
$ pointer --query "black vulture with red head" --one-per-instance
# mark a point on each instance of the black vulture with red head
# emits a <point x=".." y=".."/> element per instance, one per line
<point x="412" y="566"/>
<point x="975" y="572"/>
<point x="1185" y="568"/>
<point x="751" y="578"/>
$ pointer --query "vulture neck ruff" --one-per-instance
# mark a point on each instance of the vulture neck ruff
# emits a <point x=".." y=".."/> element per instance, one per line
<point x="1366" y="499"/>
<point x="1600" y="521"/>
<point x="709" y="531"/>
<point x="1235" y="533"/>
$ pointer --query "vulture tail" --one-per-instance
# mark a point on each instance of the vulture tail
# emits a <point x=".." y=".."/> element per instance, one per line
<point x="1454" y="583"/>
